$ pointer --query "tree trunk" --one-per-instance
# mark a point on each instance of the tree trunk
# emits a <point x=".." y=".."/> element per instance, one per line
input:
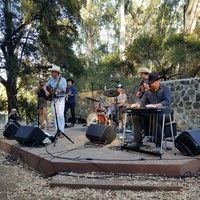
<point x="122" y="29"/>
<point x="11" y="92"/>
<point x="89" y="31"/>
<point x="191" y="15"/>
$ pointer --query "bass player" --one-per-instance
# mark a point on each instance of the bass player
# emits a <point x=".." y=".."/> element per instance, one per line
<point x="70" y="101"/>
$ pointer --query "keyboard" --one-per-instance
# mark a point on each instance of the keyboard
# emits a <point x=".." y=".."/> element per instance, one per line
<point x="148" y="110"/>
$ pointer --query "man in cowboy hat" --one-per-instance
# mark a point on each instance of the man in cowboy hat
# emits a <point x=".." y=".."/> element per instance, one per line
<point x="157" y="96"/>
<point x="58" y="86"/>
<point x="70" y="101"/>
<point x="144" y="74"/>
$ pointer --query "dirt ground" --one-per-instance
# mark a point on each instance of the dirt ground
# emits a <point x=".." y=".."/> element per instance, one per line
<point x="20" y="182"/>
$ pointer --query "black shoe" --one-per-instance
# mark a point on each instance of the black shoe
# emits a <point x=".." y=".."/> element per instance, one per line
<point x="157" y="150"/>
<point x="66" y="126"/>
<point x="134" y="145"/>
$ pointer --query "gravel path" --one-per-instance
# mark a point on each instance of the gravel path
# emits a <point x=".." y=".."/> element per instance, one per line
<point x="19" y="182"/>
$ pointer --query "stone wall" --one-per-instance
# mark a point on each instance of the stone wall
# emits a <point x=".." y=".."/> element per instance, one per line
<point x="185" y="102"/>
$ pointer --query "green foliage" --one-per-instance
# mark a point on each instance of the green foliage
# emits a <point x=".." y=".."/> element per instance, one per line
<point x="82" y="37"/>
<point x="3" y="103"/>
<point x="27" y="105"/>
<point x="184" y="49"/>
<point x="35" y="33"/>
<point x="144" y="50"/>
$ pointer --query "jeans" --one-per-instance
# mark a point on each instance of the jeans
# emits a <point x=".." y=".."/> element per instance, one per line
<point x="58" y="112"/>
<point x="70" y="106"/>
<point x="141" y="122"/>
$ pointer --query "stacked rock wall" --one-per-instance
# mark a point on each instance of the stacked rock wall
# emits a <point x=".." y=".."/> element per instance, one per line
<point x="185" y="102"/>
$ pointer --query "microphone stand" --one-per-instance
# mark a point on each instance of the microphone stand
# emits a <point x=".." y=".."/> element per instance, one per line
<point x="38" y="110"/>
<point x="58" y="132"/>
<point x="117" y="110"/>
<point x="116" y="113"/>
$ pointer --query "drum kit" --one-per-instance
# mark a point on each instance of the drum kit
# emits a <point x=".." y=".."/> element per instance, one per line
<point x="100" y="114"/>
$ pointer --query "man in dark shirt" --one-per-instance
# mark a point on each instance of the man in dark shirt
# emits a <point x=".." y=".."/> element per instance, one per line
<point x="158" y="96"/>
<point x="70" y="101"/>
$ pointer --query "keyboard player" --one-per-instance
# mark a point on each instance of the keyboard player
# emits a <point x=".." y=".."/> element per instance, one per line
<point x="157" y="96"/>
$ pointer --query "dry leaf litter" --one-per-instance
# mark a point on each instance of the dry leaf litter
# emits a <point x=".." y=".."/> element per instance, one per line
<point x="20" y="182"/>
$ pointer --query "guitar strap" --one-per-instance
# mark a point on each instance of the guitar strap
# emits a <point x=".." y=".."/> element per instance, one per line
<point x="58" y="82"/>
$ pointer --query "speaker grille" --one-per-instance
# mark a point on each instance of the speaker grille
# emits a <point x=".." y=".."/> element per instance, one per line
<point x="30" y="136"/>
<point x="10" y="129"/>
<point x="188" y="142"/>
<point x="100" y="133"/>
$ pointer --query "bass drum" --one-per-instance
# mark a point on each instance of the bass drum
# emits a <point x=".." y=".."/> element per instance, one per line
<point x="96" y="118"/>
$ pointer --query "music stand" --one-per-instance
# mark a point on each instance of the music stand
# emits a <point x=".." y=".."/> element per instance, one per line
<point x="58" y="132"/>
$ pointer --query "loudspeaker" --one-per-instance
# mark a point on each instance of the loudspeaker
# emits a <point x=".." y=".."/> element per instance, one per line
<point x="100" y="133"/>
<point x="30" y="136"/>
<point x="11" y="128"/>
<point x="188" y="142"/>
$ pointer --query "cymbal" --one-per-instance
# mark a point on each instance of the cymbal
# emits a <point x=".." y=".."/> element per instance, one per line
<point x="92" y="99"/>
<point x="111" y="93"/>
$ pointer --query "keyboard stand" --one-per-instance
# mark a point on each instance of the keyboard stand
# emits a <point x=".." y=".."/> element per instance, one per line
<point x="153" y="130"/>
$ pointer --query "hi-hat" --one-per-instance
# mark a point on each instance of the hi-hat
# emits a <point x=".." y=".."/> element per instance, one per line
<point x="92" y="99"/>
<point x="111" y="93"/>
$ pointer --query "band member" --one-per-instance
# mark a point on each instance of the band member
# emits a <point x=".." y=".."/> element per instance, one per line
<point x="144" y="74"/>
<point x="57" y="89"/>
<point x="70" y="101"/>
<point x="13" y="114"/>
<point x="42" y="104"/>
<point x="145" y="85"/>
<point x="119" y="105"/>
<point x="158" y="96"/>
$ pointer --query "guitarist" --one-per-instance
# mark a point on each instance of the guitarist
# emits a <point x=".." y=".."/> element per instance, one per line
<point x="144" y="75"/>
<point x="70" y="101"/>
<point x="57" y="85"/>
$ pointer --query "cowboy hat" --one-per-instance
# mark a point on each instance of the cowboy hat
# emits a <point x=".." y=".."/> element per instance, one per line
<point x="144" y="70"/>
<point x="153" y="77"/>
<point x="55" y="68"/>
<point x="69" y="79"/>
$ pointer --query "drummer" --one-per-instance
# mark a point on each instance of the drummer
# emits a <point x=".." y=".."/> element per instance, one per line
<point x="119" y="103"/>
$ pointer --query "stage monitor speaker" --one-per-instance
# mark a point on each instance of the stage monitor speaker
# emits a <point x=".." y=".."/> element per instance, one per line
<point x="30" y="136"/>
<point x="100" y="133"/>
<point x="188" y="142"/>
<point x="11" y="128"/>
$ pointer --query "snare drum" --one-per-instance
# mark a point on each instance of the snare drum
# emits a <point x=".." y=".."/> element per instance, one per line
<point x="96" y="118"/>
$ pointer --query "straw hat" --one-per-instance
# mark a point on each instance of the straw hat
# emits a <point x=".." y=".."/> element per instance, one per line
<point x="144" y="70"/>
<point x="55" y="68"/>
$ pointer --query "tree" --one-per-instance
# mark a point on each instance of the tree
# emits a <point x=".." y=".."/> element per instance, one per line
<point x="34" y="33"/>
<point x="162" y="43"/>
